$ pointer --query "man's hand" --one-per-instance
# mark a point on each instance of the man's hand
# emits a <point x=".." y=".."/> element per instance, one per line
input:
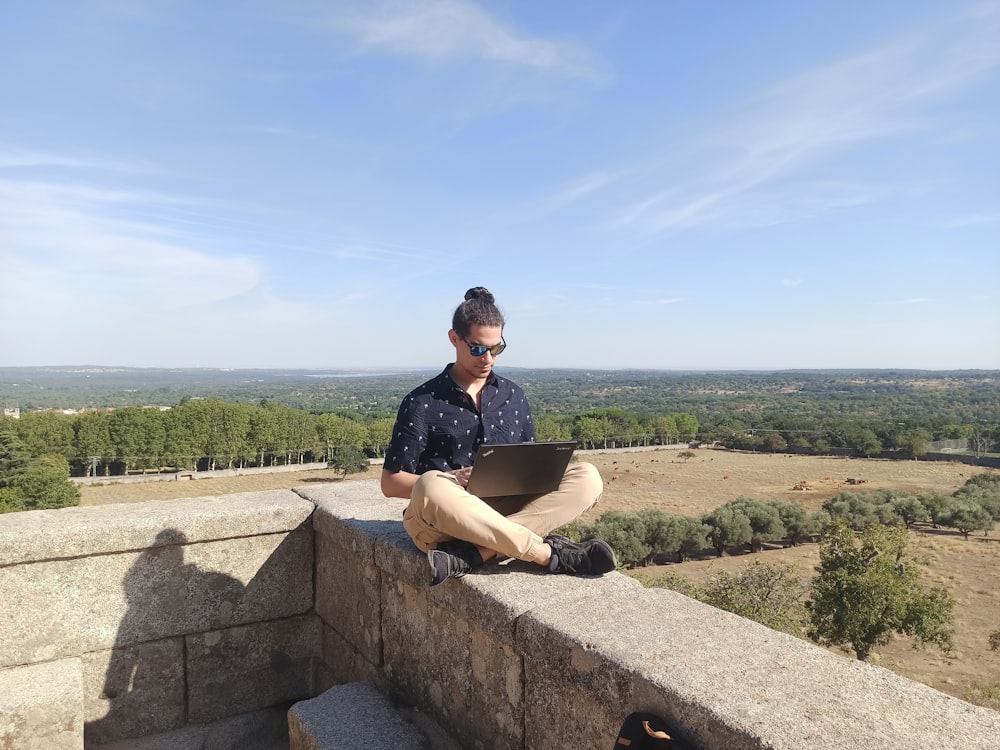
<point x="462" y="475"/>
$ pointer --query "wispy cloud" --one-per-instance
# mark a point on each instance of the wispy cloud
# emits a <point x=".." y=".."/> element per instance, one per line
<point x="750" y="172"/>
<point x="791" y="283"/>
<point x="659" y="301"/>
<point x="83" y="237"/>
<point x="973" y="221"/>
<point x="904" y="302"/>
<point x="452" y="30"/>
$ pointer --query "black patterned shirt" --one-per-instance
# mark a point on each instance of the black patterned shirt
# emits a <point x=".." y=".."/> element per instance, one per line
<point x="439" y="427"/>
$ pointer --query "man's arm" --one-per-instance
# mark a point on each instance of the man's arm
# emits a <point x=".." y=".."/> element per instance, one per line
<point x="398" y="483"/>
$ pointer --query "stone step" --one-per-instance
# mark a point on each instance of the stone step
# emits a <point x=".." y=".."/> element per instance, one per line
<point x="355" y="715"/>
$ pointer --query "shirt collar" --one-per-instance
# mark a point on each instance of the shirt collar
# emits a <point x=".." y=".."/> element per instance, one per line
<point x="491" y="379"/>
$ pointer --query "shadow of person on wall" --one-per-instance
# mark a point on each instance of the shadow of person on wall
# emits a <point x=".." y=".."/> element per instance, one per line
<point x="144" y="690"/>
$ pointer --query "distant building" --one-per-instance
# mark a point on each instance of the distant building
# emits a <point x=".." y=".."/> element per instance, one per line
<point x="12" y="411"/>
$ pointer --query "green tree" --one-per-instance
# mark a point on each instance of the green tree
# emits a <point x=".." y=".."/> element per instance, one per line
<point x="728" y="527"/>
<point x="267" y="434"/>
<point x="591" y="432"/>
<point x="138" y="436"/>
<point x="302" y="434"/>
<point x="913" y="443"/>
<point x="348" y="459"/>
<point x="765" y="521"/>
<point x="664" y="429"/>
<point x="92" y="440"/>
<point x="46" y="433"/>
<point x="380" y="434"/>
<point x="42" y="485"/>
<point x="771" y="594"/>
<point x="773" y="442"/>
<point x="687" y="426"/>
<point x="864" y="442"/>
<point x="689" y="536"/>
<point x="910" y="509"/>
<point x="799" y="523"/>
<point x="334" y="430"/>
<point x="984" y="492"/>
<point x="856" y="509"/>
<point x="625" y="532"/>
<point x="937" y="505"/>
<point x="13" y="457"/>
<point x="868" y="589"/>
<point x="967" y="517"/>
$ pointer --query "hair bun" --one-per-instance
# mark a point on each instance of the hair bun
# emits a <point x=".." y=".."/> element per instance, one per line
<point x="480" y="292"/>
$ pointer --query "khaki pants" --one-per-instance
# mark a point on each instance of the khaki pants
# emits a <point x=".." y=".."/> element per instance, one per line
<point x="513" y="526"/>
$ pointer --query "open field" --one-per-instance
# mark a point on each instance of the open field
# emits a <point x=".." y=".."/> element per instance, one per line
<point x="635" y="480"/>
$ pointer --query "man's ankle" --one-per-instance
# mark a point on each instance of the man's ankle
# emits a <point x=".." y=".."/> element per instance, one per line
<point x="543" y="555"/>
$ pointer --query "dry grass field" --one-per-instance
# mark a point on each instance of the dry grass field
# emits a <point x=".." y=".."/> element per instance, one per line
<point x="635" y="480"/>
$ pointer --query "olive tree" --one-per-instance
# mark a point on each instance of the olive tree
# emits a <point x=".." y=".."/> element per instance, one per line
<point x="868" y="589"/>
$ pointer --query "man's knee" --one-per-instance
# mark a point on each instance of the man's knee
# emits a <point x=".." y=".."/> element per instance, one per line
<point x="590" y="483"/>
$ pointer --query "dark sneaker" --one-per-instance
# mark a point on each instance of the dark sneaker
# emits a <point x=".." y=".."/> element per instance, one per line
<point x="592" y="557"/>
<point x="452" y="559"/>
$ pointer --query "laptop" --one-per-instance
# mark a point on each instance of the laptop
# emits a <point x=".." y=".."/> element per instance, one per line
<point x="519" y="468"/>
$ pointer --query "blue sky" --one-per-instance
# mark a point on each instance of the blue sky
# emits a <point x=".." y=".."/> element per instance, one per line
<point x="660" y="184"/>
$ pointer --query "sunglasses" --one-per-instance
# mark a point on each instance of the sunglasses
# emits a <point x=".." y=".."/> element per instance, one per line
<point x="478" y="350"/>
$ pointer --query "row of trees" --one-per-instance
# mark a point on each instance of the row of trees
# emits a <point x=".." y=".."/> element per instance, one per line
<point x="860" y="437"/>
<point x="201" y="434"/>
<point x="205" y="434"/>
<point x="640" y="537"/>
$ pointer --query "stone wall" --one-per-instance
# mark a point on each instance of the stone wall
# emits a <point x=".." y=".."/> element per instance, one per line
<point x="514" y="658"/>
<point x="127" y="621"/>
<point x="197" y="623"/>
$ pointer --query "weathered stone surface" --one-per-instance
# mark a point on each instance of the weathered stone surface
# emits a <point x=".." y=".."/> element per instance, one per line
<point x="342" y="662"/>
<point x="65" y="607"/>
<point x="266" y="729"/>
<point x="41" y="707"/>
<point x="355" y="515"/>
<point x="724" y="681"/>
<point x="347" y="596"/>
<point x="354" y="715"/>
<point x="101" y="529"/>
<point x="134" y="691"/>
<point x="250" y="667"/>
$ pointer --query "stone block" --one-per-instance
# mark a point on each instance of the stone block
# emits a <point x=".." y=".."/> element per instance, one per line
<point x="134" y="691"/>
<point x="342" y="662"/>
<point x="451" y="668"/>
<point x="41" y="706"/>
<point x="722" y="681"/>
<point x="38" y="535"/>
<point x="353" y="715"/>
<point x="347" y="597"/>
<point x="60" y="608"/>
<point x="266" y="729"/>
<point x="250" y="667"/>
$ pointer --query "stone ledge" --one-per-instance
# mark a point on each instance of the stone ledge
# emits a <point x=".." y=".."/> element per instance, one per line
<point x="727" y="682"/>
<point x="41" y="706"/>
<point x="353" y="715"/>
<point x="39" y="535"/>
<point x="593" y="650"/>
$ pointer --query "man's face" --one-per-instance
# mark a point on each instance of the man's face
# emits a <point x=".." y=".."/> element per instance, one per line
<point x="475" y="367"/>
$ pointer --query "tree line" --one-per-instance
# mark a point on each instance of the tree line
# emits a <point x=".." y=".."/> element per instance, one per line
<point x="208" y="434"/>
<point x="642" y="537"/>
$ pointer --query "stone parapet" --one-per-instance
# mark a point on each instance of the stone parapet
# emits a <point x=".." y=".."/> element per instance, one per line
<point x="511" y="657"/>
<point x="168" y="614"/>
<point x="197" y="624"/>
